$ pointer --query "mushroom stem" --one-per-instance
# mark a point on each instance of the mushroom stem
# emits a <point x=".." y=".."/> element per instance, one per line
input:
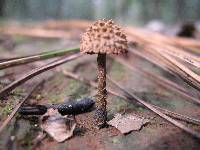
<point x="101" y="113"/>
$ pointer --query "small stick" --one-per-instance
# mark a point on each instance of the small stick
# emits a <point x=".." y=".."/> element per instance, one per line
<point x="33" y="58"/>
<point x="36" y="72"/>
<point x="167" y="112"/>
<point x="9" y="118"/>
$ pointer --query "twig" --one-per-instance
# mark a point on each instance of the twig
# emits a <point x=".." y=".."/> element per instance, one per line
<point x="35" y="72"/>
<point x="33" y="58"/>
<point x="9" y="118"/>
<point x="111" y="91"/>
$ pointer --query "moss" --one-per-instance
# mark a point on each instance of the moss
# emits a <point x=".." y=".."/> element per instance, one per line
<point x="56" y="81"/>
<point x="1" y="86"/>
<point x="115" y="140"/>
<point x="17" y="92"/>
<point x="118" y="71"/>
<point x="20" y="40"/>
<point x="38" y="97"/>
<point x="5" y="111"/>
<point x="27" y="141"/>
<point x="162" y="102"/>
<point x="26" y="131"/>
<point x="116" y="104"/>
<point x="73" y="85"/>
<point x="2" y="73"/>
<point x="74" y="90"/>
<point x="54" y="99"/>
<point x="7" y="107"/>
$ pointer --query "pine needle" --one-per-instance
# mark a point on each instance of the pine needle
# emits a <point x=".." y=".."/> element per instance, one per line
<point x="160" y="80"/>
<point x="170" y="65"/>
<point x="37" y="57"/>
<point x="36" y="72"/>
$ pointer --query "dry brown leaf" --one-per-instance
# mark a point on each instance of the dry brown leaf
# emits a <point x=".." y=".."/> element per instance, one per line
<point x="127" y="123"/>
<point x="57" y="126"/>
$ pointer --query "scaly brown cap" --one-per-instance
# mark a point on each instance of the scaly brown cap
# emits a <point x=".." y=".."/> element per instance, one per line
<point x="104" y="37"/>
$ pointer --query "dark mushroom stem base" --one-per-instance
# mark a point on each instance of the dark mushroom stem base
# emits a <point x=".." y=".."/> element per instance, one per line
<point x="100" y="115"/>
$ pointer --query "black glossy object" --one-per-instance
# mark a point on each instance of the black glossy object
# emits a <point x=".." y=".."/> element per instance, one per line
<point x="71" y="108"/>
<point x="33" y="110"/>
<point x="74" y="108"/>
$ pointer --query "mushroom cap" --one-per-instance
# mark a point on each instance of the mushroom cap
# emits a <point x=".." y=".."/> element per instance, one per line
<point x="104" y="37"/>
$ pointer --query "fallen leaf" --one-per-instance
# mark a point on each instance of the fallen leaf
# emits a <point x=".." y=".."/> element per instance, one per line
<point x="57" y="126"/>
<point x="127" y="123"/>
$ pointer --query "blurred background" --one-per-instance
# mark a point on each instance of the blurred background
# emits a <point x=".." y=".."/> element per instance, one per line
<point x="137" y="12"/>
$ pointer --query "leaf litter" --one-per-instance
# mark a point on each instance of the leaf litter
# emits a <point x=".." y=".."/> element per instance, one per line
<point x="59" y="127"/>
<point x="128" y="122"/>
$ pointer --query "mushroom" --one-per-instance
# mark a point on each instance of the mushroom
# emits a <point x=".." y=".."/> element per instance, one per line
<point x="103" y="37"/>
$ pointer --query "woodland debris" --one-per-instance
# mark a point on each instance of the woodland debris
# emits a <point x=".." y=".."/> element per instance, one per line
<point x="182" y="48"/>
<point x="159" y="80"/>
<point x="59" y="127"/>
<point x="130" y="100"/>
<point x="155" y="110"/>
<point x="9" y="118"/>
<point x="168" y="62"/>
<point x="128" y="122"/>
<point x="71" y="108"/>
<point x="6" y="90"/>
<point x="13" y="62"/>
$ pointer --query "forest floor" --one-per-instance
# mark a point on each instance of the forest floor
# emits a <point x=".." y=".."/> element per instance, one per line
<point x="23" y="131"/>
